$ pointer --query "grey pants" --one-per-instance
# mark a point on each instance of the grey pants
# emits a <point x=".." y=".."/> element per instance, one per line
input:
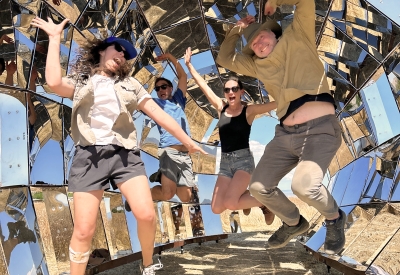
<point x="311" y="147"/>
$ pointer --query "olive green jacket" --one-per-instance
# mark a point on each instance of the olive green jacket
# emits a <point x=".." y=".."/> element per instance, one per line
<point x="128" y="92"/>
<point x="293" y="68"/>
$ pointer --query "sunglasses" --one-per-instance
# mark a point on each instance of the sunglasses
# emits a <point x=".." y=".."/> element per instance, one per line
<point x="119" y="49"/>
<point x="234" y="89"/>
<point x="164" y="86"/>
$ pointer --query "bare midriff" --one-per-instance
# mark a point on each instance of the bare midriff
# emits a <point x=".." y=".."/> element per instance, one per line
<point x="180" y="148"/>
<point x="309" y="111"/>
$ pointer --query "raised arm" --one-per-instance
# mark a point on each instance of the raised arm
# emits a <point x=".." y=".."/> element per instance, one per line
<point x="304" y="15"/>
<point x="182" y="77"/>
<point x="151" y="109"/>
<point x="232" y="60"/>
<point x="11" y="68"/>
<point x="258" y="109"/>
<point x="59" y="85"/>
<point x="211" y="96"/>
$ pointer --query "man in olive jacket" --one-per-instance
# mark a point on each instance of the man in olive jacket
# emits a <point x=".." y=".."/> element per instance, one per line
<point x="308" y="135"/>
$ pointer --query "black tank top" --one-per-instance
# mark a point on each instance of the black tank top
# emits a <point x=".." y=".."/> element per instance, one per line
<point x="234" y="132"/>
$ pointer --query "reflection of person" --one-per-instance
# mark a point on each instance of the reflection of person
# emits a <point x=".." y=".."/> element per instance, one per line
<point x="18" y="233"/>
<point x="237" y="162"/>
<point x="308" y="135"/>
<point x="10" y="67"/>
<point x="105" y="137"/>
<point x="32" y="116"/>
<point x="6" y="38"/>
<point x="175" y="173"/>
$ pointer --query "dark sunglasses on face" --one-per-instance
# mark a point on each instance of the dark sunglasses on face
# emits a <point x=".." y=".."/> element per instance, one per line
<point x="164" y="86"/>
<point x="119" y="49"/>
<point x="234" y="89"/>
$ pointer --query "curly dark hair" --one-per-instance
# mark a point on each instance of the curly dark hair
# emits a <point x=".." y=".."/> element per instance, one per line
<point x="88" y="58"/>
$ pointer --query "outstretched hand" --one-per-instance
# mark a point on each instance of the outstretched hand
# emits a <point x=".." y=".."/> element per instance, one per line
<point x="6" y="38"/>
<point x="246" y="21"/>
<point x="163" y="57"/>
<point x="11" y="67"/>
<point x="188" y="55"/>
<point x="195" y="149"/>
<point x="52" y="30"/>
<point x="269" y="9"/>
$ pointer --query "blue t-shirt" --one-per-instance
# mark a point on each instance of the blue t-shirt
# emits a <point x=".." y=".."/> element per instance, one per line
<point x="175" y="108"/>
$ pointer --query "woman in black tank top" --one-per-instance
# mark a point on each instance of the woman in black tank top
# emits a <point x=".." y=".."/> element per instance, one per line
<point x="237" y="162"/>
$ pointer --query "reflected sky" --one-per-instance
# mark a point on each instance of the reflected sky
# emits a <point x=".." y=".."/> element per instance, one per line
<point x="14" y="150"/>
<point x="387" y="7"/>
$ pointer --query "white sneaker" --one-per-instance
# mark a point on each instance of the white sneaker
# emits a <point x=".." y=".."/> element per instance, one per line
<point x="151" y="269"/>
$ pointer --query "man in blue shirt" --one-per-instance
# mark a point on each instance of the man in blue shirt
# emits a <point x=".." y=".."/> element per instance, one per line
<point x="175" y="173"/>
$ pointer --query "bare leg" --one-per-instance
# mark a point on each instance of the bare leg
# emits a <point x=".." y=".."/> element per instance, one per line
<point x="86" y="207"/>
<point x="235" y="196"/>
<point x="184" y="193"/>
<point x="138" y="195"/>
<point x="220" y="189"/>
<point x="165" y="191"/>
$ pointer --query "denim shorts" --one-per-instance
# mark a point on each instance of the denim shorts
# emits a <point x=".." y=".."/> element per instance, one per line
<point x="235" y="161"/>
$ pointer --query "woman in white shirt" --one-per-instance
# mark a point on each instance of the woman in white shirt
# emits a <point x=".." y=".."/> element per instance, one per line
<point x="102" y="128"/>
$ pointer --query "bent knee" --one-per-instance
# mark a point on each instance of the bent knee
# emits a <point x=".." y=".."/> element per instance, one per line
<point x="83" y="233"/>
<point x="168" y="194"/>
<point x="257" y="188"/>
<point x="306" y="193"/>
<point x="231" y="204"/>
<point x="217" y="210"/>
<point x="146" y="216"/>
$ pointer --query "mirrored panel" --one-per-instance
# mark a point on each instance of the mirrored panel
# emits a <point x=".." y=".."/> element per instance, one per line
<point x="132" y="227"/>
<point x="206" y="185"/>
<point x="55" y="224"/>
<point x="20" y="233"/>
<point x="356" y="183"/>
<point x="13" y="138"/>
<point x="162" y="228"/>
<point x="162" y="14"/>
<point x="211" y="221"/>
<point x="196" y="220"/>
<point x="178" y="220"/>
<point x="387" y="260"/>
<point x="115" y="224"/>
<point x="366" y="26"/>
<point x="197" y="40"/>
<point x="46" y="152"/>
<point x="346" y="57"/>
<point x="357" y="254"/>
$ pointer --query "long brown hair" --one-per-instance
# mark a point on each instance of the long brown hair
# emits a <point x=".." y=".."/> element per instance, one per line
<point x="87" y="61"/>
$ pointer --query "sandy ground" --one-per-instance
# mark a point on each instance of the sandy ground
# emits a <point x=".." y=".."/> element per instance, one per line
<point x="243" y="253"/>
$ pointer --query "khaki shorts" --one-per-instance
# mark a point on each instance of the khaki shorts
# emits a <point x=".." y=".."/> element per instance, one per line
<point x="177" y="166"/>
<point x="95" y="167"/>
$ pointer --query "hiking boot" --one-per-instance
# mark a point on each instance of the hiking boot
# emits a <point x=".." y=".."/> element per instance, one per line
<point x="268" y="215"/>
<point x="155" y="177"/>
<point x="151" y="269"/>
<point x="335" y="239"/>
<point x="285" y="233"/>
